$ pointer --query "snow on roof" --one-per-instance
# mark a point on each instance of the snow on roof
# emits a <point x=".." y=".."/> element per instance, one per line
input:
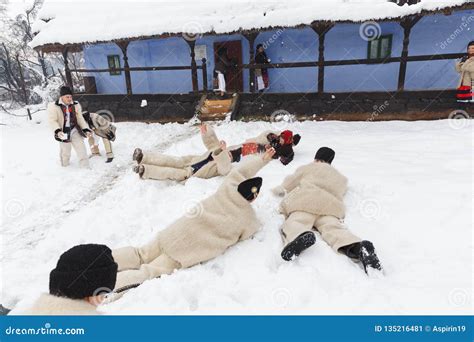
<point x="85" y="21"/>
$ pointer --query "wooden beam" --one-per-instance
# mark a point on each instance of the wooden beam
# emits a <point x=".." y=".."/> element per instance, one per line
<point x="407" y="24"/>
<point x="194" y="77"/>
<point x="251" y="37"/>
<point x="67" y="71"/>
<point x="123" y="45"/>
<point x="321" y="28"/>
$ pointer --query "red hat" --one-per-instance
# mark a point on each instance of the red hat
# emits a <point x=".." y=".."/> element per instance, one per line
<point x="287" y="137"/>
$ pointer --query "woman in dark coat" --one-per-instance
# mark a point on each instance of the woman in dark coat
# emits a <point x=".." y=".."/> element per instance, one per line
<point x="261" y="74"/>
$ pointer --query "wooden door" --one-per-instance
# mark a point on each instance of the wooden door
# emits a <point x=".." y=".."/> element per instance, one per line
<point x="233" y="77"/>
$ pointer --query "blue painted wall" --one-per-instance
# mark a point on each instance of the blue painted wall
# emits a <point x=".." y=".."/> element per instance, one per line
<point x="433" y="34"/>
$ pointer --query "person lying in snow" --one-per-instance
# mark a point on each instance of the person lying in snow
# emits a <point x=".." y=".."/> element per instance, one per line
<point x="282" y="143"/>
<point x="77" y="285"/>
<point x="314" y="199"/>
<point x="225" y="218"/>
<point x="215" y="161"/>
<point x="101" y="127"/>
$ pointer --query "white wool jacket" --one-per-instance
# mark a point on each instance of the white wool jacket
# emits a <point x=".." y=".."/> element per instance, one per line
<point x="223" y="219"/>
<point x="48" y="304"/>
<point x="466" y="69"/>
<point x="56" y="116"/>
<point x="101" y="126"/>
<point x="317" y="188"/>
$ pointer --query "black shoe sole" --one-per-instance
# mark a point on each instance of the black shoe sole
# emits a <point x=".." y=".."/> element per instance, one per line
<point x="294" y="248"/>
<point x="368" y="257"/>
<point x="137" y="155"/>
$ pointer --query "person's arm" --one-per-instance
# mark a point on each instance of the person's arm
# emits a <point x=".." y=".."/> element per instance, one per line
<point x="223" y="161"/>
<point x="53" y="118"/>
<point x="209" y="137"/>
<point x="250" y="167"/>
<point x="289" y="183"/>
<point x="81" y="121"/>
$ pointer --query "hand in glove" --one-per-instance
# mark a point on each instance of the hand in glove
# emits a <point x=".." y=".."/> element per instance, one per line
<point x="279" y="191"/>
<point x="87" y="132"/>
<point x="58" y="135"/>
<point x="110" y="135"/>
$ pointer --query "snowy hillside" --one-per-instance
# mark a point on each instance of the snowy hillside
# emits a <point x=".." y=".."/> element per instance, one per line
<point x="410" y="193"/>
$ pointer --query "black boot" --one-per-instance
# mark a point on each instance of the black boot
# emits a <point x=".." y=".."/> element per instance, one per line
<point x="363" y="251"/>
<point x="138" y="155"/>
<point x="298" y="245"/>
<point x="109" y="160"/>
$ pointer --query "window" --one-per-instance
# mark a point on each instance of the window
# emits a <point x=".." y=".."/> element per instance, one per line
<point x="114" y="63"/>
<point x="380" y="47"/>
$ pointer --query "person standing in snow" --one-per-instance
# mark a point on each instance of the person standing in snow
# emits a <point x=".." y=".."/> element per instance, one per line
<point x="217" y="160"/>
<point x="261" y="74"/>
<point x="314" y="199"/>
<point x="101" y="127"/>
<point x="466" y="68"/>
<point x="69" y="127"/>
<point x="77" y="285"/>
<point x="224" y="219"/>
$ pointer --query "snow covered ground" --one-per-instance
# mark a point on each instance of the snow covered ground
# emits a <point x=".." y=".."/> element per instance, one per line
<point x="410" y="192"/>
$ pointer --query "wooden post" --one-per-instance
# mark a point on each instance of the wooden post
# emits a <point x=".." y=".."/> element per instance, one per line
<point x="251" y="37"/>
<point x="123" y="45"/>
<point x="321" y="28"/>
<point x="67" y="71"/>
<point x="407" y="24"/>
<point x="194" y="76"/>
<point x="204" y="75"/>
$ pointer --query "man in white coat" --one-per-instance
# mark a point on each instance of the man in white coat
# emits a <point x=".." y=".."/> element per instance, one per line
<point x="314" y="199"/>
<point x="83" y="275"/>
<point x="225" y="218"/>
<point x="66" y="121"/>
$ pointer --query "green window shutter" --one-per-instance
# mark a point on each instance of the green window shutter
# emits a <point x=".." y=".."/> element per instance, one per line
<point x="114" y="63"/>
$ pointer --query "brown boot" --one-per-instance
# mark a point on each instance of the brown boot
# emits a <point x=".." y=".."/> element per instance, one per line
<point x="138" y="155"/>
<point x="140" y="169"/>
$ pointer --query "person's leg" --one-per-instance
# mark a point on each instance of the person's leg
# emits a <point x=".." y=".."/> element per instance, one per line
<point x="163" y="264"/>
<point x="297" y="234"/>
<point x="334" y="232"/>
<point x="108" y="148"/>
<point x="93" y="145"/>
<point x="160" y="159"/>
<point x="65" y="153"/>
<point x="221" y="83"/>
<point x="297" y="223"/>
<point x="133" y="257"/>
<point x="164" y="173"/>
<point x="80" y="148"/>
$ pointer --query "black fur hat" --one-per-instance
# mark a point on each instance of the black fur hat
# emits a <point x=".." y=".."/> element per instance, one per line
<point x="325" y="154"/>
<point x="82" y="271"/>
<point x="250" y="188"/>
<point x="65" y="90"/>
